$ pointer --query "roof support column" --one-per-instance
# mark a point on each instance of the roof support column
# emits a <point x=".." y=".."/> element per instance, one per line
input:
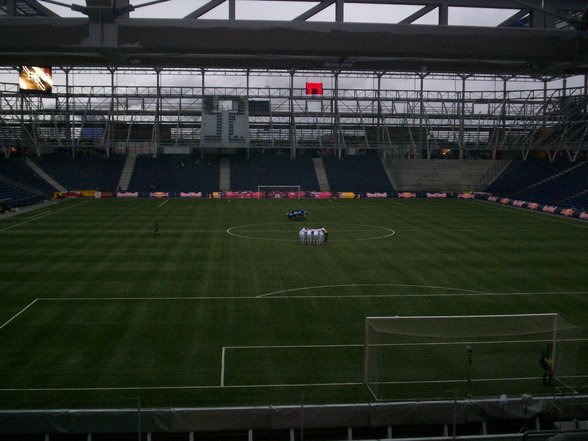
<point x="545" y="80"/>
<point x="108" y="132"/>
<point x="11" y="8"/>
<point x="412" y="153"/>
<point x="23" y="140"/>
<point x="247" y="75"/>
<point x="338" y="132"/>
<point x="565" y="104"/>
<point x="380" y="121"/>
<point x="203" y="72"/>
<point x="68" y="116"/>
<point x="500" y="139"/>
<point x="443" y="14"/>
<point x="156" y="134"/>
<point x="462" y="117"/>
<point x="339" y="11"/>
<point x="293" y="140"/>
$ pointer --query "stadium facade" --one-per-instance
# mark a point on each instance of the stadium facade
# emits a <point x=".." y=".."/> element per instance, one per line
<point x="540" y="44"/>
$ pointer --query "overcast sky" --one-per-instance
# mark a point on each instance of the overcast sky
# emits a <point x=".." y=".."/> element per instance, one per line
<point x="283" y="10"/>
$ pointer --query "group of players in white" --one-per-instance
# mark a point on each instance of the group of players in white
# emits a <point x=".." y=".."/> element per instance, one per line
<point x="313" y="236"/>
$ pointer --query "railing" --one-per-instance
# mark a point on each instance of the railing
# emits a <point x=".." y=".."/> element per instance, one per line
<point x="480" y="119"/>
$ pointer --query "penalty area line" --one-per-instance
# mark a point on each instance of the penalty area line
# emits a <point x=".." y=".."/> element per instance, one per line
<point x="222" y="382"/>
<point x="42" y="215"/>
<point x="19" y="313"/>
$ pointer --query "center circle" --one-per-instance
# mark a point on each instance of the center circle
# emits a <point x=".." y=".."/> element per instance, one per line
<point x="264" y="231"/>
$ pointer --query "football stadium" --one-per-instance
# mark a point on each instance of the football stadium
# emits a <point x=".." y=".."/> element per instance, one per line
<point x="220" y="225"/>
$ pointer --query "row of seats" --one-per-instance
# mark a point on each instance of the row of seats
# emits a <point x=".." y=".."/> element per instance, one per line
<point x="357" y="174"/>
<point x="558" y="182"/>
<point x="523" y="174"/>
<point x="175" y="173"/>
<point x="13" y="196"/>
<point x="272" y="169"/>
<point x="187" y="173"/>
<point x="85" y="172"/>
<point x="17" y="170"/>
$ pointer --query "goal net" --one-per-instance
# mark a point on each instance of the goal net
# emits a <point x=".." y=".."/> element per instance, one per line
<point x="465" y="356"/>
<point x="279" y="191"/>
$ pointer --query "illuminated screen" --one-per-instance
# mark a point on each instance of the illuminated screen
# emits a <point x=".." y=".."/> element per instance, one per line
<point x="35" y="79"/>
<point x="314" y="88"/>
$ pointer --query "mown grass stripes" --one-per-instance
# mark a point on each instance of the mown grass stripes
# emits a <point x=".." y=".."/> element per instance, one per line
<point x="120" y="310"/>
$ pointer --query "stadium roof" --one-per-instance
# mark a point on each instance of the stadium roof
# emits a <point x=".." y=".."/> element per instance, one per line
<point x="539" y="38"/>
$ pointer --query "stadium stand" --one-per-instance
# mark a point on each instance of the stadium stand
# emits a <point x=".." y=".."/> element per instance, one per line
<point x="560" y="187"/>
<point x="17" y="170"/>
<point x="559" y="182"/>
<point x="523" y="174"/>
<point x="440" y="174"/>
<point x="357" y="174"/>
<point x="272" y="169"/>
<point x="14" y="197"/>
<point x="175" y="173"/>
<point x="579" y="200"/>
<point x="83" y="172"/>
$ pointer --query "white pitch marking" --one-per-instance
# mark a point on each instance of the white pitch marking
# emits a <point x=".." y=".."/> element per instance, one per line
<point x="163" y="203"/>
<point x="478" y="380"/>
<point x="351" y="296"/>
<point x="40" y="216"/>
<point x="19" y="313"/>
<point x="395" y="202"/>
<point x="377" y="228"/>
<point x="253" y="386"/>
<point x="368" y="284"/>
<point x="355" y="345"/>
<point x="298" y="346"/>
<point x="242" y="386"/>
<point x="222" y="382"/>
<point x="472" y="294"/>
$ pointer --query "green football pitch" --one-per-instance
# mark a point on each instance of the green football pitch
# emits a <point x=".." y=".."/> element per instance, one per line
<point x="227" y="308"/>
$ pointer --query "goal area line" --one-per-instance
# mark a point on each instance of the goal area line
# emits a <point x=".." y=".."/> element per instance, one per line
<point x="225" y="349"/>
<point x="269" y="347"/>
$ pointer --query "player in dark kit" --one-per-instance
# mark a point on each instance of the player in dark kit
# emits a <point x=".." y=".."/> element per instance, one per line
<point x="156" y="229"/>
<point x="546" y="362"/>
<point x="296" y="214"/>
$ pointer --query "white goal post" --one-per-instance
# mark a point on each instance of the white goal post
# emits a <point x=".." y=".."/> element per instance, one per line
<point x="465" y="356"/>
<point x="271" y="191"/>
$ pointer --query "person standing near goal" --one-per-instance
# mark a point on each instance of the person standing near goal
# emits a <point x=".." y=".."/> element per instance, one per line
<point x="546" y="362"/>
